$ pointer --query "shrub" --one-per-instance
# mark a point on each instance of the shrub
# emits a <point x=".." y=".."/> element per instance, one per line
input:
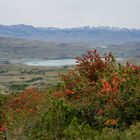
<point x="80" y="131"/>
<point x="105" y="92"/>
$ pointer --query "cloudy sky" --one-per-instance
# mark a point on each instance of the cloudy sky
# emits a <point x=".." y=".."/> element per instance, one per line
<point x="71" y="13"/>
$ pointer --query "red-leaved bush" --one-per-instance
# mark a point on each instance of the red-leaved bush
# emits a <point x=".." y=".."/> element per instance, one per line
<point x="104" y="92"/>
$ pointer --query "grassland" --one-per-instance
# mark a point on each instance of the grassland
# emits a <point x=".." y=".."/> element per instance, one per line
<point x="18" y="77"/>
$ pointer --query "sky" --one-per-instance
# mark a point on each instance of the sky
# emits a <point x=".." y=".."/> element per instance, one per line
<point x="71" y="13"/>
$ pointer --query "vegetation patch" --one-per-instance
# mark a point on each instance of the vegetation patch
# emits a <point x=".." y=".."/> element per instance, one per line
<point x="98" y="100"/>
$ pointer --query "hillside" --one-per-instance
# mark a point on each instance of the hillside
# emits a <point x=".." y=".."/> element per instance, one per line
<point x="15" y="48"/>
<point x="11" y="48"/>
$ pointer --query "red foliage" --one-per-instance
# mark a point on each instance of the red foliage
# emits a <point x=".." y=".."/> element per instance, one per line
<point x="93" y="64"/>
<point x="100" y="112"/>
<point x="27" y="101"/>
<point x="3" y="127"/>
<point x="69" y="92"/>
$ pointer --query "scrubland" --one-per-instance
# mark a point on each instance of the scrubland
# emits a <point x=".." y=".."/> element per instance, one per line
<point x="99" y="99"/>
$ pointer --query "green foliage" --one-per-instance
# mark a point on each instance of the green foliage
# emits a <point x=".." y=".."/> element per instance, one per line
<point x="18" y="87"/>
<point x="53" y="121"/>
<point x="3" y="99"/>
<point x="132" y="133"/>
<point x="78" y="131"/>
<point x="35" y="79"/>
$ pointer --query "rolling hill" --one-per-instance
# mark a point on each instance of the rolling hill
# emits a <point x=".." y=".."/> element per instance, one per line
<point x="15" y="48"/>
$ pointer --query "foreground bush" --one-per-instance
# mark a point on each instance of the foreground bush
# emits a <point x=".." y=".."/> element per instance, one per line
<point x="103" y="91"/>
<point x="98" y="100"/>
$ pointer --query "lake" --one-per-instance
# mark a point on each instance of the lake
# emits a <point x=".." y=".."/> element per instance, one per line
<point x="53" y="62"/>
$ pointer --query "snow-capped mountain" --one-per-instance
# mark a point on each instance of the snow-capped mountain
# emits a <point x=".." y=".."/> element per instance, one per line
<point x="87" y="34"/>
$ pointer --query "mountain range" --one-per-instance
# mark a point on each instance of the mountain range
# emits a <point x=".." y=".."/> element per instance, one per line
<point x="87" y="34"/>
<point x="25" y="41"/>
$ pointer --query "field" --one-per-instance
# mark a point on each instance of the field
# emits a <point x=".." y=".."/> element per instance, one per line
<point x="18" y="77"/>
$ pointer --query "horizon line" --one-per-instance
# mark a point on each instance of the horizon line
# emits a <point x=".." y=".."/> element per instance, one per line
<point x="83" y="26"/>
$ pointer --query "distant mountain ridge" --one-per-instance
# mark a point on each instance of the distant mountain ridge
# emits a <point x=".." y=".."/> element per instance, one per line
<point x="87" y="34"/>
